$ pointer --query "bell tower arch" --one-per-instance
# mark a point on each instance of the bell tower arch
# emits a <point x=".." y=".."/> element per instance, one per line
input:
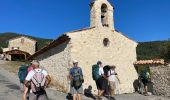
<point x="101" y="14"/>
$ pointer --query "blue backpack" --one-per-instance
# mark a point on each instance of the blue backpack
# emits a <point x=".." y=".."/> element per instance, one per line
<point x="22" y="73"/>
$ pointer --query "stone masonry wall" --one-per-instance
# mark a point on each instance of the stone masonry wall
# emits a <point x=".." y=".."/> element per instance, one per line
<point x="27" y="46"/>
<point x="161" y="80"/>
<point x="87" y="48"/>
<point x="57" y="62"/>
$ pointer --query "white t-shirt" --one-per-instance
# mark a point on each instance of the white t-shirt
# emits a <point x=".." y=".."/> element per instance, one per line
<point x="112" y="76"/>
<point x="101" y="71"/>
<point x="32" y="72"/>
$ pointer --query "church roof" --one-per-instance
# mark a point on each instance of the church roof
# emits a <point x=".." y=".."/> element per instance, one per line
<point x="56" y="42"/>
<point x="124" y="35"/>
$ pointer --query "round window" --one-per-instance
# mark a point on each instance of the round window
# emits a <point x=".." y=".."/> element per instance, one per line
<point x="106" y="42"/>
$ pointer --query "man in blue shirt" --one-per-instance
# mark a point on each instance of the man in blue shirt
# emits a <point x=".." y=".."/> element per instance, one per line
<point x="76" y="76"/>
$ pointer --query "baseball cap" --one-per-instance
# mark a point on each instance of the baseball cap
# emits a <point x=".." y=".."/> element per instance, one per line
<point x="75" y="61"/>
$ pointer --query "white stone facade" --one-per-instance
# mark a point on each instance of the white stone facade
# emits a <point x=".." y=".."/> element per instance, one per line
<point x="23" y="43"/>
<point x="87" y="47"/>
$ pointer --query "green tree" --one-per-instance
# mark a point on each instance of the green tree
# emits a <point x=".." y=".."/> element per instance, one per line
<point x="167" y="53"/>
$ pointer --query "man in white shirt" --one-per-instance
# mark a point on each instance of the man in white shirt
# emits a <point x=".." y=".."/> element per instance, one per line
<point x="34" y="95"/>
<point x="100" y="81"/>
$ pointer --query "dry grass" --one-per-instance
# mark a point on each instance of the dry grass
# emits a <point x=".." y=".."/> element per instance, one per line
<point x="12" y="66"/>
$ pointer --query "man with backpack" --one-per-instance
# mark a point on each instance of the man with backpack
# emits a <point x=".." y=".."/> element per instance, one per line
<point x="27" y="89"/>
<point x="77" y="80"/>
<point x="145" y="76"/>
<point x="98" y="75"/>
<point x="38" y="79"/>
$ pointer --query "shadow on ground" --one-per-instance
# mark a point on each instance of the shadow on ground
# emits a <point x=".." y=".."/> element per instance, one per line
<point x="69" y="97"/>
<point x="9" y="84"/>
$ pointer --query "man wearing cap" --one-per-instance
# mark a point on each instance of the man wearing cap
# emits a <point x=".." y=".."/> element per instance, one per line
<point x="37" y="95"/>
<point x="76" y="71"/>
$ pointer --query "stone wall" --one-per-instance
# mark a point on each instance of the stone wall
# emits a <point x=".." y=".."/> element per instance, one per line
<point x="161" y="79"/>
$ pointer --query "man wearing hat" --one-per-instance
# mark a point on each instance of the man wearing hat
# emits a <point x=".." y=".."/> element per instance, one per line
<point x="77" y="80"/>
<point x="26" y="89"/>
<point x="37" y="94"/>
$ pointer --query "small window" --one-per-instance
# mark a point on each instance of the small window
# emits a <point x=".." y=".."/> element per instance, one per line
<point x="106" y="42"/>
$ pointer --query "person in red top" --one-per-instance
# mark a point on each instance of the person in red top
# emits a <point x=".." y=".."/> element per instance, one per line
<point x="26" y="89"/>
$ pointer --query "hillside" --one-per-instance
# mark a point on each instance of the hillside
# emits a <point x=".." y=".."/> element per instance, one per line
<point x="4" y="37"/>
<point x="153" y="50"/>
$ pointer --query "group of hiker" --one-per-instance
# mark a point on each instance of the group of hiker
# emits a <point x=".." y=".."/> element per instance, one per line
<point x="105" y="78"/>
<point x="35" y="79"/>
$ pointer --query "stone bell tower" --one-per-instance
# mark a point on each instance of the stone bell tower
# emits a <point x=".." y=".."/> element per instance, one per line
<point x="101" y="14"/>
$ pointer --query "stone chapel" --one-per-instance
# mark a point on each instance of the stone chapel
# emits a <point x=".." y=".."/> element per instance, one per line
<point x="100" y="41"/>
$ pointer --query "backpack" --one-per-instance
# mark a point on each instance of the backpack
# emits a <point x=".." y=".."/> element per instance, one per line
<point x="38" y="81"/>
<point x="145" y="75"/>
<point x="95" y="72"/>
<point x="22" y="73"/>
<point x="77" y="78"/>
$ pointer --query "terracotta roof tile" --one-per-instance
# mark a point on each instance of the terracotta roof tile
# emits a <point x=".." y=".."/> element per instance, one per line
<point x="146" y="62"/>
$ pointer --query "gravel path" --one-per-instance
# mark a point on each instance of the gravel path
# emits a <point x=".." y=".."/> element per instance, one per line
<point x="9" y="90"/>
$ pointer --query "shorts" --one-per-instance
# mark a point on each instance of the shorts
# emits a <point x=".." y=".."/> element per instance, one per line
<point x="100" y="84"/>
<point x="145" y="82"/>
<point x="76" y="91"/>
<point x="112" y="85"/>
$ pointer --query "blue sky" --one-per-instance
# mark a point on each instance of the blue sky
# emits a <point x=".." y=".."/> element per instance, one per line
<point x="141" y="20"/>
